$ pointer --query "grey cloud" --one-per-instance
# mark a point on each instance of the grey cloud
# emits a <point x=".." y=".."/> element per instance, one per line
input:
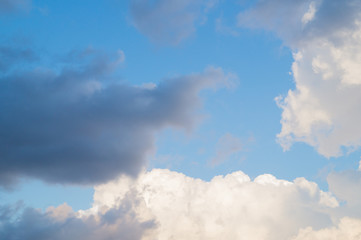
<point x="346" y="187"/>
<point x="285" y="18"/>
<point x="169" y="21"/>
<point x="72" y="126"/>
<point x="280" y="15"/>
<point x="14" y="5"/>
<point x="11" y="56"/>
<point x="33" y="224"/>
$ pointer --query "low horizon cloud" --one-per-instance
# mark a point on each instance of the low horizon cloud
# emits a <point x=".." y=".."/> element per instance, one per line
<point x="163" y="204"/>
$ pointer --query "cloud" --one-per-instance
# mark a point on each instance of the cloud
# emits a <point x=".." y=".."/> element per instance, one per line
<point x="281" y="16"/>
<point x="347" y="229"/>
<point x="298" y="22"/>
<point x="169" y="21"/>
<point x="323" y="109"/>
<point x="227" y="207"/>
<point x="227" y="146"/>
<point x="223" y="28"/>
<point x="12" y="56"/>
<point x="14" y="5"/>
<point x="346" y="186"/>
<point x="69" y="124"/>
<point x="63" y="223"/>
<point x="163" y="205"/>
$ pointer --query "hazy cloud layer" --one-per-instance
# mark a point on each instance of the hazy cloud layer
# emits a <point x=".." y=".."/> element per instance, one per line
<point x="298" y="22"/>
<point x="346" y="186"/>
<point x="14" y="5"/>
<point x="169" y="21"/>
<point x="324" y="108"/>
<point x="163" y="205"/>
<point x="347" y="229"/>
<point x="71" y="125"/>
<point x="12" y="56"/>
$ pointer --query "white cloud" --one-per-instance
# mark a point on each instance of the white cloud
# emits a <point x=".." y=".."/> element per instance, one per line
<point x="229" y="207"/>
<point x="310" y="14"/>
<point x="324" y="108"/>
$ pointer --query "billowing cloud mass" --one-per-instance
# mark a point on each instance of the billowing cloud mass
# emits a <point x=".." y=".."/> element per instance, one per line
<point x="13" y="5"/>
<point x="169" y="21"/>
<point x="163" y="205"/>
<point x="230" y="207"/>
<point x="324" y="108"/>
<point x="70" y="124"/>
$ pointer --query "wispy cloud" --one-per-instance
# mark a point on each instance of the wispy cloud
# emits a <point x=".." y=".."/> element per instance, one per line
<point x="7" y="6"/>
<point x="227" y="146"/>
<point x="169" y="21"/>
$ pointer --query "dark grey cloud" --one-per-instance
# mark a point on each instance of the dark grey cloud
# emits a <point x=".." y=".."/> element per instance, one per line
<point x="14" y="5"/>
<point x="287" y="18"/>
<point x="13" y="56"/>
<point x="169" y="21"/>
<point x="70" y="125"/>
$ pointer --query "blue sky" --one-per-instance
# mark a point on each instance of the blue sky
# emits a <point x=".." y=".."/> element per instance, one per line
<point x="106" y="95"/>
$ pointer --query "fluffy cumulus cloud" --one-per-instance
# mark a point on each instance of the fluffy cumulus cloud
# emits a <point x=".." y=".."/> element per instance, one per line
<point x="169" y="21"/>
<point x="227" y="207"/>
<point x="162" y="204"/>
<point x="14" y="5"/>
<point x="324" y="108"/>
<point x="69" y="124"/>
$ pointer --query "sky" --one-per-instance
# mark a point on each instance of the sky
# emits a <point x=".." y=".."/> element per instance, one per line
<point x="180" y="119"/>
